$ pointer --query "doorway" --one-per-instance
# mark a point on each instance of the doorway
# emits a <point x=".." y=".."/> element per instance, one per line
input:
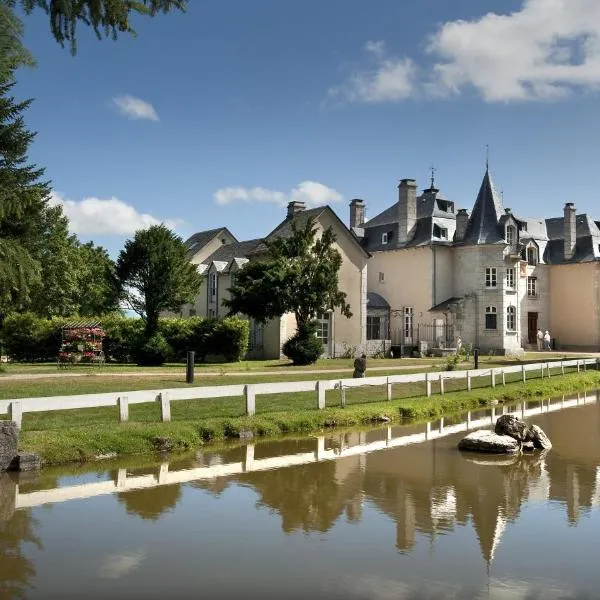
<point x="532" y="327"/>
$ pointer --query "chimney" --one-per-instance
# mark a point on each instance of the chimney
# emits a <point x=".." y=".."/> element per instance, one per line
<point x="407" y="210"/>
<point x="570" y="225"/>
<point x="357" y="213"/>
<point x="294" y="207"/>
<point x="462" y="220"/>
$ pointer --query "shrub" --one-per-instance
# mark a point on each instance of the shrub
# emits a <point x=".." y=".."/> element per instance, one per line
<point x="304" y="348"/>
<point x="124" y="336"/>
<point x="179" y="334"/>
<point x="154" y="352"/>
<point x="26" y="337"/>
<point x="231" y="336"/>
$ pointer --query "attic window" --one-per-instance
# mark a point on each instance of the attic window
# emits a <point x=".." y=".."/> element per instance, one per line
<point x="440" y="232"/>
<point x="384" y="238"/>
<point x="223" y="241"/>
<point x="446" y="205"/>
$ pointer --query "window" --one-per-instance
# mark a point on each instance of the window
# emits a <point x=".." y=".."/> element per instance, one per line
<point x="532" y="255"/>
<point x="373" y="328"/>
<point x="491" y="318"/>
<point x="532" y="287"/>
<point x="384" y="238"/>
<point x="408" y="322"/>
<point x="510" y="235"/>
<point x="256" y="336"/>
<point x="381" y="277"/>
<point x="440" y="232"/>
<point x="211" y="313"/>
<point x="323" y="328"/>
<point x="213" y="286"/>
<point x="491" y="277"/>
<point x="510" y="278"/>
<point x="511" y="318"/>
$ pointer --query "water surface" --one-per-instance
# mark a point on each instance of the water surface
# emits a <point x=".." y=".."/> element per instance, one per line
<point x="384" y="514"/>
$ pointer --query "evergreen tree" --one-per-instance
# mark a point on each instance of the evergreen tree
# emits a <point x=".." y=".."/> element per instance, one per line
<point x="107" y="18"/>
<point x="155" y="275"/>
<point x="22" y="194"/>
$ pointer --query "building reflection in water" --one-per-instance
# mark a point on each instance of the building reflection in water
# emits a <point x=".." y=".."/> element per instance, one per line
<point x="426" y="489"/>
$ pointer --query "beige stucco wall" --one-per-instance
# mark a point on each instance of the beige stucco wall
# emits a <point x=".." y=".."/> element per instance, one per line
<point x="575" y="305"/>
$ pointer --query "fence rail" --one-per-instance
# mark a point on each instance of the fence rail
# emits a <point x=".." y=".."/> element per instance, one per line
<point x="17" y="407"/>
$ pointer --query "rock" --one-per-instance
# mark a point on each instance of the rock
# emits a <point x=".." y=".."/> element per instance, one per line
<point x="162" y="444"/>
<point x="513" y="427"/>
<point x="539" y="438"/>
<point x="528" y="447"/>
<point x="488" y="441"/>
<point x="26" y="461"/>
<point x="382" y="419"/>
<point x="9" y="443"/>
<point x="246" y="434"/>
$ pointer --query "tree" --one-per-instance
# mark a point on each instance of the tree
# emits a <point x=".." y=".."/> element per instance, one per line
<point x="299" y="275"/>
<point x="22" y="195"/>
<point x="154" y="274"/>
<point x="107" y="18"/>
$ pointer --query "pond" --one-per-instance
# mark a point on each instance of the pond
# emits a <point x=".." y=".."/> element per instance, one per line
<point x="395" y="512"/>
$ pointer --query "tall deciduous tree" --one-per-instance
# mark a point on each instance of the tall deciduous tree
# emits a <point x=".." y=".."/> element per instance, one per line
<point x="154" y="274"/>
<point x="107" y="18"/>
<point x="299" y="275"/>
<point x="22" y="195"/>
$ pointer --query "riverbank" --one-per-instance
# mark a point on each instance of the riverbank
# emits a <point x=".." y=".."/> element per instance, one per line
<point x="84" y="442"/>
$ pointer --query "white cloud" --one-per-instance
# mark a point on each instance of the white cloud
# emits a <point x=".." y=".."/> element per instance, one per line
<point x="391" y="79"/>
<point x="545" y="50"/>
<point x="117" y="565"/>
<point x="311" y="193"/>
<point x="134" y="108"/>
<point x="105" y="216"/>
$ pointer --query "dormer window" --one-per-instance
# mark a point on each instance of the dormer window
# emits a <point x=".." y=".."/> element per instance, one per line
<point x="511" y="237"/>
<point x="440" y="232"/>
<point x="532" y="256"/>
<point x="445" y="205"/>
<point x="384" y="238"/>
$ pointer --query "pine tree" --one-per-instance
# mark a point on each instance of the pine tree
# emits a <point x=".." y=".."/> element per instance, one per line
<point x="22" y="194"/>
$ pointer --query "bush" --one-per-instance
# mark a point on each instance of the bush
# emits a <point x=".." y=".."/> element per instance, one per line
<point x="124" y="335"/>
<point x="231" y="336"/>
<point x="154" y="352"/>
<point x="304" y="348"/>
<point x="179" y="334"/>
<point x="26" y="337"/>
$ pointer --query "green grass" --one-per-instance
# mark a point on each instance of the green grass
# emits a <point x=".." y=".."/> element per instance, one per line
<point x="84" y="434"/>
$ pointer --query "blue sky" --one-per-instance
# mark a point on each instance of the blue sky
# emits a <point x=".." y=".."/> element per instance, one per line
<point x="221" y="115"/>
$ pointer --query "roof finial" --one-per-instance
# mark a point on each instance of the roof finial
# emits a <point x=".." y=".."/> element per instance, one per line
<point x="433" y="170"/>
<point x="487" y="157"/>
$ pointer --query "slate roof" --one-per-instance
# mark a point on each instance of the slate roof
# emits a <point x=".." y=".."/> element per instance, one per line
<point x="229" y="252"/>
<point x="587" y="245"/>
<point x="485" y="217"/>
<point x="201" y="238"/>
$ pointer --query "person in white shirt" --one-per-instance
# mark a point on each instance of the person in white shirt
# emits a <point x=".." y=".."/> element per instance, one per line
<point x="547" y="340"/>
<point x="540" y="340"/>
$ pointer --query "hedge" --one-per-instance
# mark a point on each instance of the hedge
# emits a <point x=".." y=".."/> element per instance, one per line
<point x="26" y="337"/>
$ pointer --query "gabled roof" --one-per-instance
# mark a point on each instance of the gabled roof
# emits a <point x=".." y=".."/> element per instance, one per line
<point x="229" y="252"/>
<point x="284" y="229"/>
<point x="198" y="240"/>
<point x="487" y="212"/>
<point x="587" y="243"/>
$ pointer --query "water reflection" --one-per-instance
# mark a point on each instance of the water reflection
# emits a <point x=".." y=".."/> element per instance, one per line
<point x="411" y="477"/>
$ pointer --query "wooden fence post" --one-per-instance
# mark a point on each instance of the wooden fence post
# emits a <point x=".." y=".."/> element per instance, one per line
<point x="493" y="376"/>
<point x="548" y="370"/>
<point x="389" y="389"/>
<point x="16" y="413"/>
<point x="584" y="364"/>
<point x="427" y="385"/>
<point x="320" y="395"/>
<point x="441" y="384"/>
<point x="542" y="370"/>
<point x="165" y="406"/>
<point x="578" y="365"/>
<point x="250" y="397"/>
<point x="503" y="377"/>
<point x="469" y="382"/>
<point x="562" y="367"/>
<point x="442" y="425"/>
<point x="523" y="373"/>
<point x="342" y="396"/>
<point x="123" y="408"/>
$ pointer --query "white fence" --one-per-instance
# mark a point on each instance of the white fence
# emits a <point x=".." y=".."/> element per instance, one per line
<point x="16" y="408"/>
<point x="125" y="482"/>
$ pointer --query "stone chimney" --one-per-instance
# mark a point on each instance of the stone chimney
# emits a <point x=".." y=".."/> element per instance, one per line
<point x="570" y="234"/>
<point x="462" y="220"/>
<point x="294" y="207"/>
<point x="357" y="213"/>
<point x="407" y="210"/>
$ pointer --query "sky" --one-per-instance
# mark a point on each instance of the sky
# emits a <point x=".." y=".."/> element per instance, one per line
<point x="222" y="115"/>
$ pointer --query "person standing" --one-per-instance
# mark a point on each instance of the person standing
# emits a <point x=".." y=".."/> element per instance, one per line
<point x="540" y="340"/>
<point x="547" y="340"/>
<point x="360" y="366"/>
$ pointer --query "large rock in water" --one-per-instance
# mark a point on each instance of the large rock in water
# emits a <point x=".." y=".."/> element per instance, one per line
<point x="9" y="442"/>
<point x="513" y="427"/>
<point x="488" y="441"/>
<point x="539" y="438"/>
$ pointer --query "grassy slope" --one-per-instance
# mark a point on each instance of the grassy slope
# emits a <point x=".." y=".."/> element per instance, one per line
<point x="83" y="434"/>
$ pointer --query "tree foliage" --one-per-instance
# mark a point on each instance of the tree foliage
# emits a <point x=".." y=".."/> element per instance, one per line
<point x="22" y="195"/>
<point x="154" y="274"/>
<point x="107" y="18"/>
<point x="299" y="275"/>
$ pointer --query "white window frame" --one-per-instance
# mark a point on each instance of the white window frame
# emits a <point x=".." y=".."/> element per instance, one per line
<point x="408" y="322"/>
<point x="535" y="259"/>
<point x="323" y="330"/>
<point x="511" y="277"/>
<point x="384" y="238"/>
<point x="374" y="323"/>
<point x="213" y="285"/>
<point x="491" y="277"/>
<point x="511" y="235"/>
<point x="532" y="291"/>
<point x="491" y="310"/>
<point x="511" y="318"/>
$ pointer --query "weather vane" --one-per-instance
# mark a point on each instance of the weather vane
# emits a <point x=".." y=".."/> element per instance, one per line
<point x="433" y="170"/>
<point x="487" y="156"/>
